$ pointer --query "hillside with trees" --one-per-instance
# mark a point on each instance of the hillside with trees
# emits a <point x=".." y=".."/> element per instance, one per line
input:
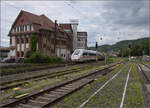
<point x="138" y="47"/>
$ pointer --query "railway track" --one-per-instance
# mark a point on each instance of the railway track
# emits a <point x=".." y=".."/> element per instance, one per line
<point x="29" y="68"/>
<point x="7" y="84"/>
<point x="145" y="71"/>
<point x="50" y="95"/>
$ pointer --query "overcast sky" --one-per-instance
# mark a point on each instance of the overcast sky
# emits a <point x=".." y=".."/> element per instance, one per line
<point x="106" y="22"/>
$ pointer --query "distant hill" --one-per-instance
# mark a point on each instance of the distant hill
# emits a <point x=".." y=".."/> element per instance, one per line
<point x="117" y="46"/>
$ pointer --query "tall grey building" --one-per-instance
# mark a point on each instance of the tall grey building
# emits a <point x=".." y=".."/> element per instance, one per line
<point x="74" y="24"/>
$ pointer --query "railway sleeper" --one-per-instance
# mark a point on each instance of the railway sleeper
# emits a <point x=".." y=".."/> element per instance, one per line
<point x="49" y="95"/>
<point x="26" y="106"/>
<point x="56" y="93"/>
<point x="36" y="103"/>
<point x="67" y="88"/>
<point x="43" y="98"/>
<point x="63" y="90"/>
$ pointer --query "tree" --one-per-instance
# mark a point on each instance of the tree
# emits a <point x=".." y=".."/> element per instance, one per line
<point x="136" y="50"/>
<point x="33" y="43"/>
<point x="146" y="47"/>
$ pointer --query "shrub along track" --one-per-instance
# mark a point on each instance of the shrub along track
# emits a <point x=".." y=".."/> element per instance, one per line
<point x="52" y="94"/>
<point x="9" y="82"/>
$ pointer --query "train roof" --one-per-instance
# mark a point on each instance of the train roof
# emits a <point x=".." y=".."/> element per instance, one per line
<point x="90" y="51"/>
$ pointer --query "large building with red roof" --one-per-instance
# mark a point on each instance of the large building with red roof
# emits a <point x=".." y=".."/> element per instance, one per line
<point x="53" y="39"/>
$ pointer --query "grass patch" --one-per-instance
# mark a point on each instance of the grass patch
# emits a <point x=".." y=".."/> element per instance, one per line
<point x="77" y="98"/>
<point x="134" y="94"/>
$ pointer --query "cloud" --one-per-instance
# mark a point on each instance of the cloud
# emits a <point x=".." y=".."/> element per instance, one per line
<point x="104" y="19"/>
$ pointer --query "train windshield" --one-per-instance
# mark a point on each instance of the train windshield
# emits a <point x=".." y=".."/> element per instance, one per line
<point x="76" y="52"/>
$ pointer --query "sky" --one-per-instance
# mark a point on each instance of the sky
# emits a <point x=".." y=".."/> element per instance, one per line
<point x="105" y="21"/>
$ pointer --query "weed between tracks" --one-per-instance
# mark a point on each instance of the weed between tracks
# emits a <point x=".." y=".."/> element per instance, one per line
<point x="134" y="95"/>
<point x="111" y="95"/>
<point x="37" y="85"/>
<point x="77" y="98"/>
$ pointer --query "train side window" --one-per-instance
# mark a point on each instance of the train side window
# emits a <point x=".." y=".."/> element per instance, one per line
<point x="85" y="54"/>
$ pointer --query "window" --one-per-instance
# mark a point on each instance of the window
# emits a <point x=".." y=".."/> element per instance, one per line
<point x="76" y="52"/>
<point x="22" y="40"/>
<point x="28" y="27"/>
<point x="21" y="28"/>
<point x="27" y="40"/>
<point x="15" y="29"/>
<point x="25" y="27"/>
<point x="22" y="54"/>
<point x="92" y="54"/>
<point x="17" y="40"/>
<point x="17" y="54"/>
<point x="85" y="54"/>
<point x="32" y="28"/>
<point x="44" y="45"/>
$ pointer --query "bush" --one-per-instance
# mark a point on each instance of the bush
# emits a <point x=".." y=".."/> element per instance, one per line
<point x="41" y="58"/>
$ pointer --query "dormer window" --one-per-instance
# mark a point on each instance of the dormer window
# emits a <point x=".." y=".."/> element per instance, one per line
<point x="31" y="28"/>
<point x="28" y="27"/>
<point x="15" y="29"/>
<point x="25" y="27"/>
<point x="18" y="29"/>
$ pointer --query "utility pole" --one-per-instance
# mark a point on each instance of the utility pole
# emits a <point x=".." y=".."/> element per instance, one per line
<point x="55" y="38"/>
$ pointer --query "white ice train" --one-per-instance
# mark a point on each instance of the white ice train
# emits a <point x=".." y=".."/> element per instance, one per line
<point x="81" y="55"/>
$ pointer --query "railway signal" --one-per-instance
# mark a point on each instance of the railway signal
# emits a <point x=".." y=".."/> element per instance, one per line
<point x="96" y="45"/>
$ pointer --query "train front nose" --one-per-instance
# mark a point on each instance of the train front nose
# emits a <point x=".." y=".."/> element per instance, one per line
<point x="74" y="57"/>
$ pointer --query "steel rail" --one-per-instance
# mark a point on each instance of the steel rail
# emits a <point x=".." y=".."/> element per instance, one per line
<point x="24" y="100"/>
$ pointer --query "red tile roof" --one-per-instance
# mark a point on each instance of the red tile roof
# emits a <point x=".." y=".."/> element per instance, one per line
<point x="43" y="21"/>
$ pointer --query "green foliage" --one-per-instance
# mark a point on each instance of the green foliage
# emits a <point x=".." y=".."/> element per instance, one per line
<point x="33" y="43"/>
<point x="136" y="50"/>
<point x="42" y="58"/>
<point x="123" y="45"/>
<point x="146" y="46"/>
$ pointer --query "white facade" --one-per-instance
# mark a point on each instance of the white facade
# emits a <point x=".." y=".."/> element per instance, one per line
<point x="27" y="45"/>
<point x="18" y="47"/>
<point x="74" y="28"/>
<point x="63" y="53"/>
<point x="12" y="53"/>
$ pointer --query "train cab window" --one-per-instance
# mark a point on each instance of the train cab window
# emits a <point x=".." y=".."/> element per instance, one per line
<point x="76" y="52"/>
